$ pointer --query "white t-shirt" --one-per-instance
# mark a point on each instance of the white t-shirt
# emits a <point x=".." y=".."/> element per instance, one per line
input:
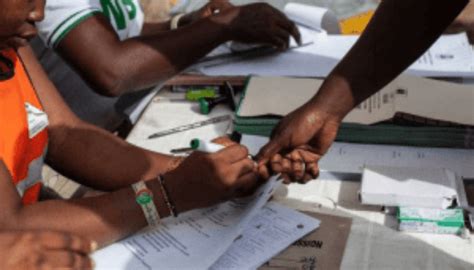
<point x="61" y="16"/>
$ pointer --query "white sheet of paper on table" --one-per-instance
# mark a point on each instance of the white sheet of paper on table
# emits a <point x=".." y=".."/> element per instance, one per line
<point x="449" y="56"/>
<point x="309" y="16"/>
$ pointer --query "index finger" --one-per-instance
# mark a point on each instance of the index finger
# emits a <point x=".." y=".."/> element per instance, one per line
<point x="66" y="241"/>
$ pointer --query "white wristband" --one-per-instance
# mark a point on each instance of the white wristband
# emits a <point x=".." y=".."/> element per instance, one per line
<point x="144" y="198"/>
<point x="175" y="20"/>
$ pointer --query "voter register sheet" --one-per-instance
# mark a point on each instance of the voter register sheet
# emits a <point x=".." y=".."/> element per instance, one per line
<point x="238" y="234"/>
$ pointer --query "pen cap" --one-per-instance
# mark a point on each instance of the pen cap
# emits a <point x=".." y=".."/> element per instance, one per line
<point x="204" y="107"/>
<point x="207" y="147"/>
<point x="206" y="104"/>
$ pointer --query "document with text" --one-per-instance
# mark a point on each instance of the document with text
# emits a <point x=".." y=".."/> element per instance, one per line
<point x="197" y="239"/>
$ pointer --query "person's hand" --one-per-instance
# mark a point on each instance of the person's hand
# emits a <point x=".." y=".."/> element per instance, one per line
<point x="464" y="22"/>
<point x="204" y="179"/>
<point x="34" y="250"/>
<point x="211" y="8"/>
<point x="258" y="23"/>
<point x="297" y="143"/>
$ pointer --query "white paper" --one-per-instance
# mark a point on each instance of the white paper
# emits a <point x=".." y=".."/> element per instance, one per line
<point x="408" y="186"/>
<point x="271" y="231"/>
<point x="450" y="56"/>
<point x="352" y="158"/>
<point x="235" y="52"/>
<point x="309" y="16"/>
<point x="195" y="240"/>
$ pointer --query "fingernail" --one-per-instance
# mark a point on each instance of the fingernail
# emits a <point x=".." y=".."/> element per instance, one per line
<point x="94" y="246"/>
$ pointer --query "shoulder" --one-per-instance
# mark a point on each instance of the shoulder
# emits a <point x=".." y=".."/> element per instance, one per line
<point x="62" y="16"/>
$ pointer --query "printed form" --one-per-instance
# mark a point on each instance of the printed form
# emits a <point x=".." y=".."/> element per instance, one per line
<point x="197" y="239"/>
<point x="274" y="228"/>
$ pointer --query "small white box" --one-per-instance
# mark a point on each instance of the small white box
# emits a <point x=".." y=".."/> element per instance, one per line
<point x="419" y="187"/>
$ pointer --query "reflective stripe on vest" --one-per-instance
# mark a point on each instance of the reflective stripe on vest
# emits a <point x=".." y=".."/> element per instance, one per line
<point x="22" y="155"/>
<point x="34" y="175"/>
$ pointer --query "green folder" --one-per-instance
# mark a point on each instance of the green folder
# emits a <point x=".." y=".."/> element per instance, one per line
<point x="382" y="133"/>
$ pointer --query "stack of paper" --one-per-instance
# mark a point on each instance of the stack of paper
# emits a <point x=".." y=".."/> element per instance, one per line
<point x="411" y="187"/>
<point x="428" y="200"/>
<point x="409" y="111"/>
<point x="240" y="234"/>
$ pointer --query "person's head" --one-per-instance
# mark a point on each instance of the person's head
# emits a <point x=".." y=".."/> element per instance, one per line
<point x="17" y="21"/>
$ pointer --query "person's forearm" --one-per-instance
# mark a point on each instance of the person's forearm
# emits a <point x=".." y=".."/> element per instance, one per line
<point x="101" y="160"/>
<point x="399" y="33"/>
<point x="105" y="218"/>
<point x="168" y="53"/>
<point x="141" y="62"/>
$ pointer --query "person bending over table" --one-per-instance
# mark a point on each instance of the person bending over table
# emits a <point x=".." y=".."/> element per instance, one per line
<point x="105" y="50"/>
<point x="399" y="33"/>
<point x="37" y="126"/>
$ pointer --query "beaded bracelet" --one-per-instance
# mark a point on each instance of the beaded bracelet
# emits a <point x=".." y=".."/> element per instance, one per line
<point x="169" y="203"/>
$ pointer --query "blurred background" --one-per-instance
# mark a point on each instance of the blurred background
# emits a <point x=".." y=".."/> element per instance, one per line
<point x="157" y="10"/>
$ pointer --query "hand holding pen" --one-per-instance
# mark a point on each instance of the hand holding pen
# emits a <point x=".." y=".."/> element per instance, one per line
<point x="210" y="175"/>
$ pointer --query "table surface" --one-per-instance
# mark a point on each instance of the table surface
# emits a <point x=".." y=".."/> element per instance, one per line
<point x="374" y="242"/>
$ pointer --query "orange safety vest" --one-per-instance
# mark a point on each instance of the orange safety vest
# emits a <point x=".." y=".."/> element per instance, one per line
<point x="23" y="156"/>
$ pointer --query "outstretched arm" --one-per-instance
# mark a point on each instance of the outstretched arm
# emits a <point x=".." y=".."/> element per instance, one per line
<point x="400" y="31"/>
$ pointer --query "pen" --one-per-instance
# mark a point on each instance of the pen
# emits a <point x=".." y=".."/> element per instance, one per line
<point x="209" y="147"/>
<point x="199" y="124"/>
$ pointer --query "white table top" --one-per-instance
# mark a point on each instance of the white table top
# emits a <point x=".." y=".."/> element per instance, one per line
<point x="374" y="242"/>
